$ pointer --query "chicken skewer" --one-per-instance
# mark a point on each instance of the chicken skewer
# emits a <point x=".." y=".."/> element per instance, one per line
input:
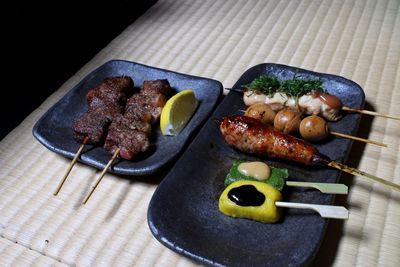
<point x="128" y="134"/>
<point x="251" y="136"/>
<point x="105" y="102"/>
<point x="307" y="96"/>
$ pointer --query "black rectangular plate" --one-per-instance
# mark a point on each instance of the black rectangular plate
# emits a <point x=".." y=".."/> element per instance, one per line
<point x="54" y="130"/>
<point x="183" y="213"/>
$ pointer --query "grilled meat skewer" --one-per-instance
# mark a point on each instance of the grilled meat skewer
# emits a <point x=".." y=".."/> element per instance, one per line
<point x="252" y="136"/>
<point x="130" y="132"/>
<point x="105" y="102"/>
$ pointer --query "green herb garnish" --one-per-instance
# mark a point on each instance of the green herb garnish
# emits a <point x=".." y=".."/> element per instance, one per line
<point x="267" y="85"/>
<point x="298" y="87"/>
<point x="276" y="179"/>
<point x="295" y="87"/>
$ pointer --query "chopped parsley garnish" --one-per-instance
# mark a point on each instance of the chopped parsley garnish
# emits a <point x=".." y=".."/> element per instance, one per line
<point x="295" y="87"/>
<point x="267" y="85"/>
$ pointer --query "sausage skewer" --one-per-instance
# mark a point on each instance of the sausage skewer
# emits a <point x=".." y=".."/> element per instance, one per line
<point x="251" y="136"/>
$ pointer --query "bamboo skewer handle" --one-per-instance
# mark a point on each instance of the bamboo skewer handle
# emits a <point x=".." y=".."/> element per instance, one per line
<point x="327" y="188"/>
<point x="101" y="176"/>
<point x="71" y="165"/>
<point x="326" y="211"/>
<point x="372" y="113"/>
<point x="358" y="139"/>
<point x="368" y="176"/>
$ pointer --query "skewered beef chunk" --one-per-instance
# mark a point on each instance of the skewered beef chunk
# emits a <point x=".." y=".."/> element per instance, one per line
<point x="105" y="102"/>
<point x="112" y="91"/>
<point x="131" y="136"/>
<point x="130" y="132"/>
<point x="156" y="87"/>
<point x="92" y="125"/>
<point x="150" y="101"/>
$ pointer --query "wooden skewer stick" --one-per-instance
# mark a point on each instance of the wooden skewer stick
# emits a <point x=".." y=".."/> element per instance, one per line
<point x="327" y="188"/>
<point x="373" y="113"/>
<point x="358" y="139"/>
<point x="101" y="176"/>
<point x="362" y="111"/>
<point x="349" y="136"/>
<point x="368" y="176"/>
<point x="71" y="165"/>
<point x="326" y="211"/>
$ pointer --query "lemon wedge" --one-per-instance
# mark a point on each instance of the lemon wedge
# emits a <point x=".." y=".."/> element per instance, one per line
<point x="177" y="112"/>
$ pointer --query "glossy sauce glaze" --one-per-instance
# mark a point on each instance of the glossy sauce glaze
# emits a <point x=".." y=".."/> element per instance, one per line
<point x="331" y="100"/>
<point x="246" y="195"/>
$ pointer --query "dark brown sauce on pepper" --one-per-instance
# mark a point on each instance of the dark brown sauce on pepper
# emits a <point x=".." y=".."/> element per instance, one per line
<point x="246" y="195"/>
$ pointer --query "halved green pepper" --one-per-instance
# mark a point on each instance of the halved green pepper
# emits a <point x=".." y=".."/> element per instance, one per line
<point x="276" y="179"/>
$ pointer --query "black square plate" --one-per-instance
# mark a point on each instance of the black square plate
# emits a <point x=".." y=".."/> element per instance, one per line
<point x="183" y="213"/>
<point x="54" y="130"/>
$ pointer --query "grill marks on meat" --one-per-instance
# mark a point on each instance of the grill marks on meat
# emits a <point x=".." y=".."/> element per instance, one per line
<point x="112" y="92"/>
<point x="91" y="125"/>
<point x="105" y="102"/>
<point x="251" y="136"/>
<point x="119" y="122"/>
<point x="130" y="132"/>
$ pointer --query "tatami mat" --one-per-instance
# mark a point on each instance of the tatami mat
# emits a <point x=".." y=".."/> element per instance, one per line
<point x="359" y="40"/>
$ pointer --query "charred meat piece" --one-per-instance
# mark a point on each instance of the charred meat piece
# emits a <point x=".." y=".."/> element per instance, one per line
<point x="130" y="132"/>
<point x="155" y="87"/>
<point x="92" y="125"/>
<point x="113" y="91"/>
<point x="131" y="136"/>
<point x="105" y="102"/>
<point x="252" y="136"/>
<point x="150" y="101"/>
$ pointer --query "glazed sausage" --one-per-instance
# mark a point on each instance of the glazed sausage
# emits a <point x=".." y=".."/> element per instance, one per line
<point x="251" y="136"/>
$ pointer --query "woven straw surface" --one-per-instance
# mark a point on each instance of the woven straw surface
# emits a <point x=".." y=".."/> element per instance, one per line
<point x="359" y="40"/>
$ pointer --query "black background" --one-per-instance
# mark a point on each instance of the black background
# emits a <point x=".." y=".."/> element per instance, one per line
<point x="44" y="44"/>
